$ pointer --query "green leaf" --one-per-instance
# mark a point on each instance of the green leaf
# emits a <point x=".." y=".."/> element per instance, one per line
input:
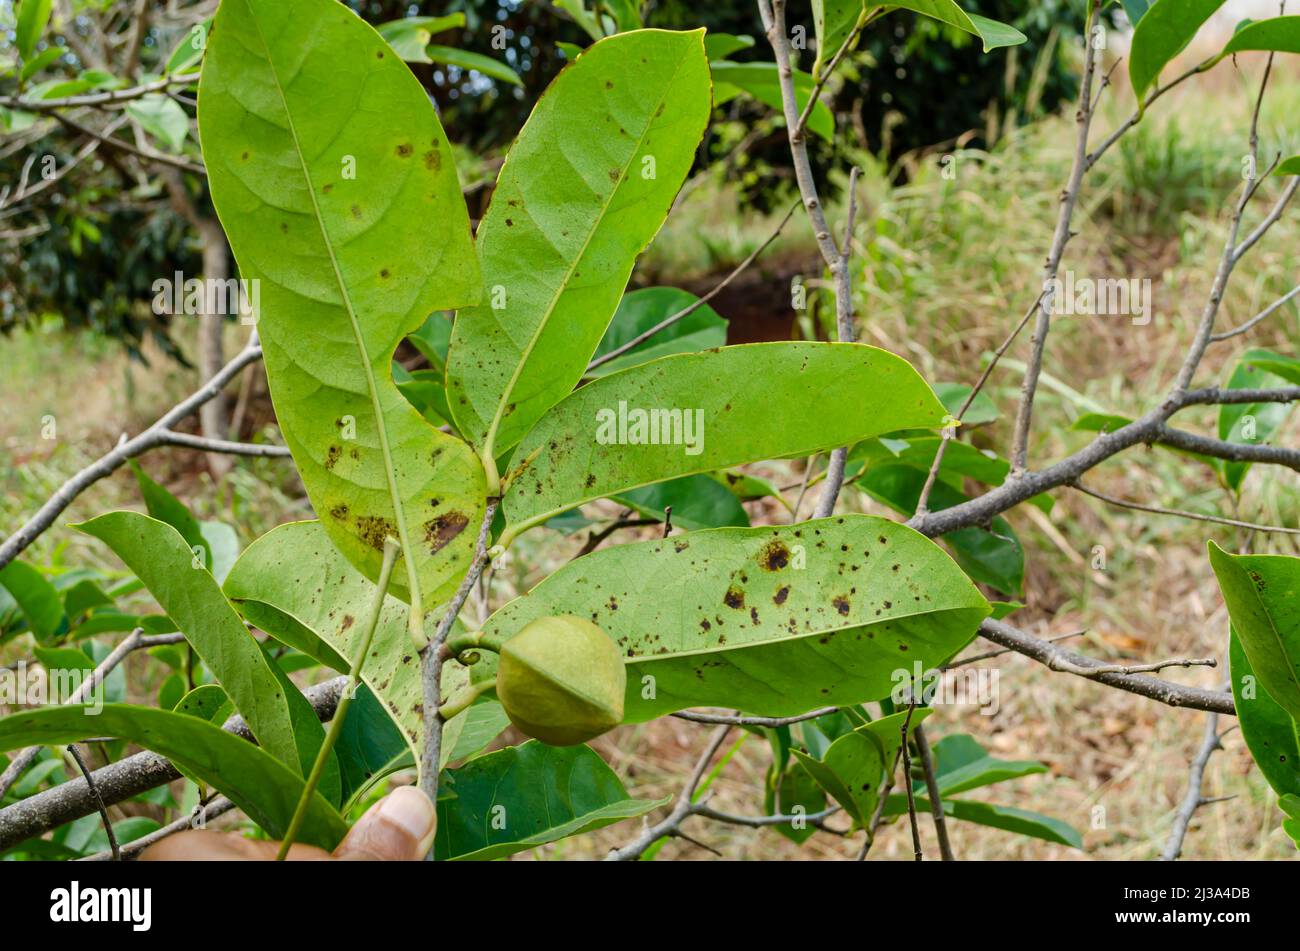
<point x="293" y="584"/>
<point x="1290" y="167"/>
<point x="833" y="21"/>
<point x="410" y="36"/>
<point x="1263" y="419"/>
<point x="1136" y="9"/>
<point x="424" y="389"/>
<point x="962" y="764"/>
<point x="1279" y="34"/>
<point x="38" y="600"/>
<point x="165" y="507"/>
<point x="722" y="45"/>
<point x="641" y="310"/>
<point x="189" y="51"/>
<point x="581" y="16"/>
<point x="83" y="597"/>
<point x="159" y="557"/>
<point x="990" y="555"/>
<point x="163" y="118"/>
<point x="1262" y="594"/>
<point x="466" y="734"/>
<point x="1008" y="818"/>
<point x="1269" y="731"/>
<point x="851" y="773"/>
<point x="982" y="409"/>
<point x="724" y="400"/>
<point x="38" y="62"/>
<point x="993" y="35"/>
<point x="774" y="620"/>
<point x="335" y="183"/>
<point x="259" y="784"/>
<point x="433" y="340"/>
<point x="697" y="501"/>
<point x="760" y="80"/>
<point x="799" y="794"/>
<point x="33" y="15"/>
<point x="369" y="747"/>
<point x="1290" y="805"/>
<point x="208" y="702"/>
<point x="1161" y="34"/>
<point x="567" y="222"/>
<point x="464" y="59"/>
<point x="525" y="796"/>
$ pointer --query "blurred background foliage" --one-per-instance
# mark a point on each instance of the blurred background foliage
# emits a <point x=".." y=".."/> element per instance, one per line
<point x="110" y="227"/>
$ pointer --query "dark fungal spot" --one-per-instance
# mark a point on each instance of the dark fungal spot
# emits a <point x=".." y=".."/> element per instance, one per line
<point x="379" y="54"/>
<point x="384" y="273"/>
<point x="327" y="187"/>
<point x="244" y="156"/>
<point x="348" y="621"/>
<point x="774" y="555"/>
<point x="356" y="211"/>
<point x="781" y="594"/>
<point x="608" y="84"/>
<point x="332" y="456"/>
<point x="734" y="598"/>
<point x="614" y="175"/>
<point x="433" y="160"/>
<point x="339" y="512"/>
<point x="510" y="223"/>
<point x="753" y="616"/>
<point x="438" y="532"/>
<point x="591" y="480"/>
<point x="841" y="604"/>
<point x="373" y="529"/>
<point x="884" y="540"/>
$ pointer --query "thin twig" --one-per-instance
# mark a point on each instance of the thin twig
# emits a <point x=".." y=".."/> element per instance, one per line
<point x="735" y="720"/>
<point x="1153" y="688"/>
<point x="1060" y="238"/>
<point x="217" y="807"/>
<point x="156" y="435"/>
<point x="932" y="787"/>
<point x="694" y="305"/>
<point x="1192" y="801"/>
<point x="109" y="98"/>
<point x="1178" y="513"/>
<point x="132" y="642"/>
<point x="682" y="809"/>
<point x="99" y="802"/>
<point x="431" y="660"/>
<point x="907" y="782"/>
<point x="1261" y="316"/>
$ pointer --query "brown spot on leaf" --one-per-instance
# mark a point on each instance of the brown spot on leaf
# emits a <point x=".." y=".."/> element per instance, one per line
<point x="433" y="160"/>
<point x="373" y="529"/>
<point x="439" y="532"/>
<point x="774" y="555"/>
<point x="781" y="594"/>
<point x="348" y="621"/>
<point x="332" y="456"/>
<point x="734" y="598"/>
<point x="841" y="604"/>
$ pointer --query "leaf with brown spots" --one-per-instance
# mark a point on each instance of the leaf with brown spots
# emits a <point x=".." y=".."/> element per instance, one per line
<point x="348" y="214"/>
<point x="829" y="627"/>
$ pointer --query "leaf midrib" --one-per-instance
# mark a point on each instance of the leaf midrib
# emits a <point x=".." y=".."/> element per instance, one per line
<point x="399" y="512"/>
<point x="490" y="436"/>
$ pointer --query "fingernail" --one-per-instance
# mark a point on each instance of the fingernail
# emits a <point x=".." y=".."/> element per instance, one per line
<point x="411" y="809"/>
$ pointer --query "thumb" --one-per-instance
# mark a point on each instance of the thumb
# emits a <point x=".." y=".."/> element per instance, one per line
<point x="398" y="828"/>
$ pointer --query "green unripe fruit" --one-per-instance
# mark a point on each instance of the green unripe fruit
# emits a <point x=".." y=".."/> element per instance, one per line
<point x="561" y="680"/>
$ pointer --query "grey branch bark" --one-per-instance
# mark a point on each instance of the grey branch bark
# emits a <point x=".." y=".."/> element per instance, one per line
<point x="1192" y="801"/>
<point x="1153" y="688"/>
<point x="132" y="642"/>
<point x="1060" y="238"/>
